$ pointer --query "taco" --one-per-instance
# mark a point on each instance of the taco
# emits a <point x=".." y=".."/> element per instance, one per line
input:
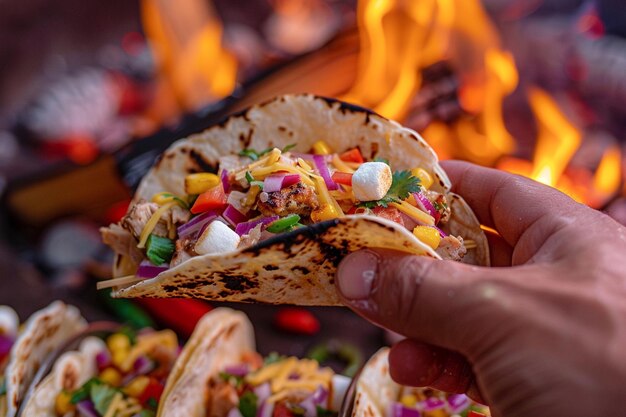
<point x="123" y="374"/>
<point x="263" y="207"/>
<point x="219" y="374"/>
<point x="43" y="333"/>
<point x="377" y="395"/>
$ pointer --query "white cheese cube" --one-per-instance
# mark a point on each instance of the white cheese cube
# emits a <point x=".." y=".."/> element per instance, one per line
<point x="371" y="181"/>
<point x="340" y="387"/>
<point x="9" y="321"/>
<point x="217" y="238"/>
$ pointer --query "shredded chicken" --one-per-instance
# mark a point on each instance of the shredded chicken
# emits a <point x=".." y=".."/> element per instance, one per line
<point x="222" y="397"/>
<point x="452" y="248"/>
<point x="184" y="251"/>
<point x="251" y="238"/>
<point x="137" y="217"/>
<point x="295" y="199"/>
<point x="122" y="242"/>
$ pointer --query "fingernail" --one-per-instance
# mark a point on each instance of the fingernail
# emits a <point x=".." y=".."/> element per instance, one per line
<point x="356" y="274"/>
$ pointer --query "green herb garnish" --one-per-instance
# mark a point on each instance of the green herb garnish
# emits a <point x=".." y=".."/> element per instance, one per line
<point x="247" y="404"/>
<point x="102" y="395"/>
<point x="152" y="403"/>
<point x="3" y="386"/>
<point x="130" y="333"/>
<point x="147" y="413"/>
<point x="235" y="380"/>
<point x="178" y="200"/>
<point x="403" y="183"/>
<point x="285" y="224"/>
<point x="159" y="250"/>
<point x="255" y="155"/>
<point x="252" y="181"/>
<point x="84" y="392"/>
<point x="288" y="147"/>
<point x="273" y="357"/>
<point x="322" y="412"/>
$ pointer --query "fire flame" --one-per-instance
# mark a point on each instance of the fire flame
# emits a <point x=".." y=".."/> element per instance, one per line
<point x="399" y="38"/>
<point x="186" y="40"/>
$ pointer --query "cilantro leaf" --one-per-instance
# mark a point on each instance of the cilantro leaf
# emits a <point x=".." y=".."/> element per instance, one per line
<point x="252" y="181"/>
<point x="322" y="412"/>
<point x="273" y="358"/>
<point x="254" y="154"/>
<point x="83" y="392"/>
<point x="102" y="395"/>
<point x="235" y="380"/>
<point x="288" y="147"/>
<point x="247" y="404"/>
<point x="403" y="183"/>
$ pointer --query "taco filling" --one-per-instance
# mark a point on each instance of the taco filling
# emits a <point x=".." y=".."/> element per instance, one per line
<point x="9" y="323"/>
<point x="259" y="194"/>
<point x="426" y="402"/>
<point x="123" y="375"/>
<point x="275" y="387"/>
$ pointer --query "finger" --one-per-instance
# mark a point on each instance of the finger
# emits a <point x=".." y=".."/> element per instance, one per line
<point x="509" y="203"/>
<point x="443" y="303"/>
<point x="500" y="251"/>
<point x="417" y="364"/>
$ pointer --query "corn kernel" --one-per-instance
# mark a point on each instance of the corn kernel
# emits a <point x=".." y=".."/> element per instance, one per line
<point x="409" y="400"/>
<point x="201" y="182"/>
<point x="111" y="376"/>
<point x="321" y="148"/>
<point x="118" y="342"/>
<point x="428" y="235"/>
<point x="137" y="386"/>
<point x="326" y="212"/>
<point x="425" y="178"/>
<point x="119" y="357"/>
<point x="62" y="404"/>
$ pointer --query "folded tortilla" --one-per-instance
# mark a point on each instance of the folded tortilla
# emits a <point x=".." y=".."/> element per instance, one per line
<point x="43" y="333"/>
<point x="296" y="267"/>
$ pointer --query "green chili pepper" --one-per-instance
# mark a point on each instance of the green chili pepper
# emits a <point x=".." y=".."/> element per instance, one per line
<point x="284" y="224"/>
<point x="159" y="250"/>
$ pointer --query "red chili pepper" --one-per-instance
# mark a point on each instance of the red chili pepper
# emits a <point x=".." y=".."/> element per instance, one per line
<point x="352" y="210"/>
<point x="152" y="391"/>
<point x="177" y="314"/>
<point x="473" y="413"/>
<point x="297" y="320"/>
<point x="281" y="410"/>
<point x="353" y="155"/>
<point x="342" y="178"/>
<point x="214" y="198"/>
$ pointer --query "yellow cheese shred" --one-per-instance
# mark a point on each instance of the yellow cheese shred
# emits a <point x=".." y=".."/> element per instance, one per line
<point x="152" y="222"/>
<point x="414" y="212"/>
<point x="261" y="173"/>
<point x="115" y="403"/>
<point x="147" y="343"/>
<point x="341" y="165"/>
<point x="470" y="244"/>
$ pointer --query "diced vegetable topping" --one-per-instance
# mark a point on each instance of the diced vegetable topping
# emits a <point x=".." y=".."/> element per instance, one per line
<point x="159" y="250"/>
<point x="353" y="155"/>
<point x="285" y="224"/>
<point x="200" y="182"/>
<point x="428" y="235"/>
<point x="321" y="148"/>
<point x="214" y="198"/>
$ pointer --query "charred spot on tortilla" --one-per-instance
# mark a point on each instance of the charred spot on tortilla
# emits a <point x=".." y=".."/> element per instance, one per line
<point x="236" y="282"/>
<point x="202" y="164"/>
<point x="270" y="267"/>
<point x="302" y="269"/>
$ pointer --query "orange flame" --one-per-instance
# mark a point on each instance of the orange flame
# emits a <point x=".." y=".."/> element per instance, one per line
<point x="185" y="37"/>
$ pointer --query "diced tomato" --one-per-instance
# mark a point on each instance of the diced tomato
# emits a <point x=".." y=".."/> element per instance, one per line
<point x="342" y="178"/>
<point x="214" y="198"/>
<point x="353" y="155"/>
<point x="152" y="393"/>
<point x="389" y="213"/>
<point x="297" y="320"/>
<point x="281" y="410"/>
<point x="352" y="210"/>
<point x="473" y="413"/>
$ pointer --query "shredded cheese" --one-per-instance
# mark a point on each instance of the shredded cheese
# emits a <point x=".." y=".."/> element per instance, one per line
<point x="305" y="165"/>
<point x="129" y="409"/>
<point x="128" y="279"/>
<point x="152" y="222"/>
<point x="113" y="406"/>
<point x="146" y="343"/>
<point x="326" y="198"/>
<point x="470" y="244"/>
<point x="261" y="173"/>
<point x="341" y="165"/>
<point x="415" y="213"/>
<point x="273" y="157"/>
<point x="268" y="372"/>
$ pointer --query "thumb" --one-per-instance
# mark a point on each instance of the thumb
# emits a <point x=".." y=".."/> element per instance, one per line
<point x="444" y="303"/>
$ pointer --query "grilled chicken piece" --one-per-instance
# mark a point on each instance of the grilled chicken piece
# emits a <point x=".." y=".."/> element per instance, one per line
<point x="122" y="242"/>
<point x="251" y="238"/>
<point x="184" y="251"/>
<point x="451" y="248"/>
<point x="295" y="199"/>
<point x="222" y="398"/>
<point x="137" y="217"/>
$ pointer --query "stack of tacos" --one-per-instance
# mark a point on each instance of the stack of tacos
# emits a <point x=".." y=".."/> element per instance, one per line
<point x="263" y="207"/>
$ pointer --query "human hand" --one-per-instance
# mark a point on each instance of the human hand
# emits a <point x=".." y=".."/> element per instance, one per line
<point x="541" y="333"/>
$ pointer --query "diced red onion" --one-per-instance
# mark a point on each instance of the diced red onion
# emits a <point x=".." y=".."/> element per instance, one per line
<point x="399" y="410"/>
<point x="6" y="343"/>
<point x="86" y="409"/>
<point x="147" y="270"/>
<point x="322" y="168"/>
<point x="225" y="182"/>
<point x="235" y="199"/>
<point x="265" y="409"/>
<point x="320" y="395"/>
<point x="234" y="412"/>
<point x="277" y="182"/>
<point x="244" y="228"/>
<point x="424" y="204"/>
<point x="263" y="392"/>
<point x="458" y="402"/>
<point x="310" y="410"/>
<point x="432" y="403"/>
<point x="195" y="224"/>
<point x="234" y="216"/>
<point x="143" y="365"/>
<point x="240" y="369"/>
<point x="294" y="376"/>
<point x="103" y="359"/>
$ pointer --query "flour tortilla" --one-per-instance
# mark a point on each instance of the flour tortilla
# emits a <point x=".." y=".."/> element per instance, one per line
<point x="297" y="267"/>
<point x="44" y="332"/>
<point x="219" y="340"/>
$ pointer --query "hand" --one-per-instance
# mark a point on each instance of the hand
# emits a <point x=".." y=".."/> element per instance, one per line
<point x="541" y="334"/>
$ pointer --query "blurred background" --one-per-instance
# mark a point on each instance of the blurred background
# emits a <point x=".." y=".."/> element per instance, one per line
<point x="91" y="92"/>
